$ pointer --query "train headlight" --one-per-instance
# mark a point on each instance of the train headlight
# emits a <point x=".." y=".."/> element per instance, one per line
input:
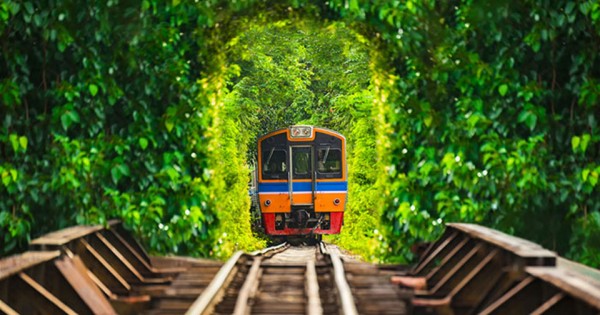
<point x="301" y="131"/>
<point x="267" y="202"/>
<point x="336" y="201"/>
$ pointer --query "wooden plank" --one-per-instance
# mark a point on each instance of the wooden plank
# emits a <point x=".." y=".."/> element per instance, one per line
<point x="76" y="275"/>
<point x="116" y="260"/>
<point x="127" y="250"/>
<point x="548" y="305"/>
<point x="429" y="259"/>
<point x="102" y="269"/>
<point x="585" y="271"/>
<point x="64" y="236"/>
<point x="518" y="246"/>
<point x="5" y="309"/>
<point x="476" y="285"/>
<point x="129" y="239"/>
<point x="521" y="286"/>
<point x="569" y="282"/>
<point x="14" y="264"/>
<point x="436" y="273"/>
<point x="456" y="268"/>
<point x="34" y="293"/>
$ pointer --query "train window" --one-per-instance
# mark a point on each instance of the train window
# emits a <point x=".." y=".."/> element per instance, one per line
<point x="301" y="162"/>
<point x="274" y="164"/>
<point x="329" y="163"/>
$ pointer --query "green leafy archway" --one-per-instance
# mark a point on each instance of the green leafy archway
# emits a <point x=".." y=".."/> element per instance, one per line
<point x="289" y="68"/>
<point x="109" y="111"/>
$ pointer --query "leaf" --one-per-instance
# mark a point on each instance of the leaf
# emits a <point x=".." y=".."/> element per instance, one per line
<point x="68" y="118"/>
<point x="93" y="89"/>
<point x="115" y="174"/>
<point x="23" y="142"/>
<point x="529" y="118"/>
<point x="531" y="121"/>
<point x="124" y="169"/>
<point x="585" y="173"/>
<point x="118" y="172"/>
<point x="569" y="7"/>
<point x="575" y="143"/>
<point x="14" y="140"/>
<point x="503" y="89"/>
<point x="427" y="120"/>
<point x="28" y="7"/>
<point x="354" y="7"/>
<point x="169" y="124"/>
<point x="594" y="179"/>
<point x="4" y="14"/>
<point x="5" y="178"/>
<point x="143" y="143"/>
<point x="585" y="140"/>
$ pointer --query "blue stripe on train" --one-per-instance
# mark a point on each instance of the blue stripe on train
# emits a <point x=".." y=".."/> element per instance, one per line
<point x="303" y="186"/>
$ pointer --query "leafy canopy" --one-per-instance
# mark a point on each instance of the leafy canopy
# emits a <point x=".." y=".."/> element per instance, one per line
<point x="470" y="111"/>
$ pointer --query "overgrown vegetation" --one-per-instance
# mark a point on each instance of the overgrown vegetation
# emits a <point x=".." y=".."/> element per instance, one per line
<point x="102" y="117"/>
<point x="298" y="71"/>
<point x="476" y="112"/>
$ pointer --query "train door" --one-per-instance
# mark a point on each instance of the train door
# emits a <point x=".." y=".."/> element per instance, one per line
<point x="301" y="180"/>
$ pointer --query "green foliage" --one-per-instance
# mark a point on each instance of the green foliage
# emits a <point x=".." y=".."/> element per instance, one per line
<point x="467" y="111"/>
<point x="292" y="71"/>
<point x="495" y="119"/>
<point x="88" y="96"/>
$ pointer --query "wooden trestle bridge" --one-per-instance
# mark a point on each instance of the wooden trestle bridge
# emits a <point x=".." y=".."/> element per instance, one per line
<point x="470" y="270"/>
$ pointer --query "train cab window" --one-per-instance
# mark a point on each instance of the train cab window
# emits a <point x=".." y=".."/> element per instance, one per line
<point x="274" y="164"/>
<point x="301" y="162"/>
<point x="329" y="163"/>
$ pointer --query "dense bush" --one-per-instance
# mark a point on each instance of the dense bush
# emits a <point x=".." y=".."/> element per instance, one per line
<point x="480" y="112"/>
<point x="102" y="117"/>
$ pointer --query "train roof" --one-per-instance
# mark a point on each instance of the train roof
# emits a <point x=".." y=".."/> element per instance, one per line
<point x="315" y="128"/>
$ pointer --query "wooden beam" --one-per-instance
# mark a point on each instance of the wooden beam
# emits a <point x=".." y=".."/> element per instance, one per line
<point x="76" y="275"/>
<point x="248" y="289"/>
<point x="5" y="309"/>
<point x="31" y="295"/>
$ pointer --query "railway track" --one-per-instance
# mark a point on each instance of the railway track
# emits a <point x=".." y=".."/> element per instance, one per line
<point x="298" y="280"/>
<point x="470" y="270"/>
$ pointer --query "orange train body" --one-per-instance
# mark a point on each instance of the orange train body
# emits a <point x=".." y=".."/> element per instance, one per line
<point x="302" y="181"/>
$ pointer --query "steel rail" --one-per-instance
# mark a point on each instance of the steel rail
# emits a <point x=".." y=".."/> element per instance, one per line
<point x="312" y="290"/>
<point x="267" y="250"/>
<point x="323" y="249"/>
<point x="205" y="302"/>
<point x="345" y="294"/>
<point x="249" y="288"/>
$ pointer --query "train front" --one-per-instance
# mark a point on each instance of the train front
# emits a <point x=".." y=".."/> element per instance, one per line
<point x="302" y="181"/>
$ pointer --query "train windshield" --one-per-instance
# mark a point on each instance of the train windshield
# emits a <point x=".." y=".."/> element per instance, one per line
<point x="329" y="163"/>
<point x="274" y="164"/>
<point x="301" y="162"/>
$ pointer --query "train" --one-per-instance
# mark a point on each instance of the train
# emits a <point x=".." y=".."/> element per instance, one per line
<point x="301" y="182"/>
